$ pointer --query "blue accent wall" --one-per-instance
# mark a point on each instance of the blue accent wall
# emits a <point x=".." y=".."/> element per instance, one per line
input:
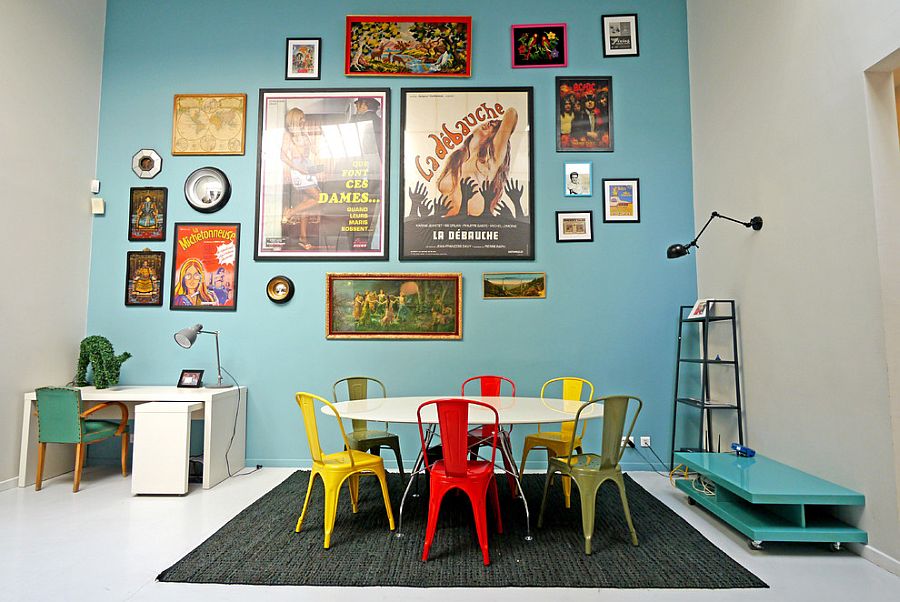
<point x="611" y="309"/>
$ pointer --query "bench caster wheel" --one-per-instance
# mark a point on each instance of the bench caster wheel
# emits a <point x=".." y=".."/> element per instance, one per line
<point x="835" y="546"/>
<point x="755" y="544"/>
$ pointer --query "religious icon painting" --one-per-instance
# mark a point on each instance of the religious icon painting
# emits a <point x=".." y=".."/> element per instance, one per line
<point x="144" y="277"/>
<point x="539" y="45"/>
<point x="466" y="176"/>
<point x="205" y="267"/>
<point x="584" y="114"/>
<point x="147" y="217"/>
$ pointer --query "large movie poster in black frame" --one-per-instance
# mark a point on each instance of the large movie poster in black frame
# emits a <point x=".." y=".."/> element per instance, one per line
<point x="467" y="173"/>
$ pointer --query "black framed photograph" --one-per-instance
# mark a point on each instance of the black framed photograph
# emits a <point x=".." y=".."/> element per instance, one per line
<point x="190" y="379"/>
<point x="574" y="226"/>
<point x="467" y="173"/>
<point x="584" y="114"/>
<point x="620" y="35"/>
<point x="144" y="277"/>
<point x="322" y="174"/>
<point x="304" y="58"/>
<point x="147" y="215"/>
<point x="621" y="200"/>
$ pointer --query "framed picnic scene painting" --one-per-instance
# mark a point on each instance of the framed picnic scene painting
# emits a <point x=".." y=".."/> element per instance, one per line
<point x="322" y="174"/>
<point x="584" y="114"/>
<point x="467" y="173"/>
<point x="539" y="45"/>
<point x="209" y="124"/>
<point x="144" y="277"/>
<point x="409" y="46"/>
<point x="147" y="214"/>
<point x="205" y="267"/>
<point x="393" y="306"/>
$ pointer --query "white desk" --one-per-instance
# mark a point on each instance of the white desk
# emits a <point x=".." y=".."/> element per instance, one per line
<point x="220" y="406"/>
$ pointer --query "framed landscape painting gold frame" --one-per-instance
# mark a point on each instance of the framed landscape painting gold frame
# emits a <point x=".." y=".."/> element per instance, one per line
<point x="393" y="306"/>
<point x="514" y="285"/>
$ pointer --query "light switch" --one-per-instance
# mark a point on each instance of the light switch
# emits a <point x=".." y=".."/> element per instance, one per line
<point x="98" y="206"/>
<point x="95" y="186"/>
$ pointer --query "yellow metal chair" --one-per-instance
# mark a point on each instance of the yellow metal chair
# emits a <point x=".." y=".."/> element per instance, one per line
<point x="338" y="467"/>
<point x="559" y="443"/>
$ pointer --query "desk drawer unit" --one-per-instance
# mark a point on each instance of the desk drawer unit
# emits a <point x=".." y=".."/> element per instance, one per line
<point x="162" y="442"/>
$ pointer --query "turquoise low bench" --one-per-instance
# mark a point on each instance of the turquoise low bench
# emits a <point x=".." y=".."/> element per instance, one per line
<point x="770" y="501"/>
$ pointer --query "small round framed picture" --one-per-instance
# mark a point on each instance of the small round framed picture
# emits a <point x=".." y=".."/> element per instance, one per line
<point x="304" y="58"/>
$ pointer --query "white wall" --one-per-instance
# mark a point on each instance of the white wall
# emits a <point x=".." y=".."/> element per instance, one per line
<point x="50" y="64"/>
<point x="779" y="126"/>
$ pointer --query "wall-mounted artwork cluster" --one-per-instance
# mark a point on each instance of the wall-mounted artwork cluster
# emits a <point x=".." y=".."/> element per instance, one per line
<point x="467" y="175"/>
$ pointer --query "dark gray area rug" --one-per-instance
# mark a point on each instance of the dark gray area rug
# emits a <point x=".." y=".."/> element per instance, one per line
<point x="259" y="546"/>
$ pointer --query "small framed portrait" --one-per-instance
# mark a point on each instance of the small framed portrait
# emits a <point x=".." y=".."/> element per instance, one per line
<point x="539" y="45"/>
<point x="620" y="35"/>
<point x="514" y="285"/>
<point x="584" y="114"/>
<point x="621" y="200"/>
<point x="147" y="217"/>
<point x="578" y="179"/>
<point x="304" y="58"/>
<point x="191" y="379"/>
<point x="574" y="226"/>
<point x="144" y="277"/>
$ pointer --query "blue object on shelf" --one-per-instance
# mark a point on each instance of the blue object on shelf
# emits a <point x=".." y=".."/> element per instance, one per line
<point x="743" y="450"/>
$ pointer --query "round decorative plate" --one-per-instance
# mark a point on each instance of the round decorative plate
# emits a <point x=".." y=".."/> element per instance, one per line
<point x="146" y="163"/>
<point x="207" y="189"/>
<point x="280" y="289"/>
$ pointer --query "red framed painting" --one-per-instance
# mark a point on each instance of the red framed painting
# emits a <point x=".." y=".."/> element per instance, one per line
<point x="408" y="46"/>
<point x="205" y="267"/>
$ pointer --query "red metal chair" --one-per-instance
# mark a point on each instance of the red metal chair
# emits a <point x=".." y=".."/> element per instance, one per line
<point x="456" y="471"/>
<point x="491" y="387"/>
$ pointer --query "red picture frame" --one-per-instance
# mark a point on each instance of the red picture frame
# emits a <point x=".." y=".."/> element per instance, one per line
<point x="205" y="267"/>
<point x="416" y="46"/>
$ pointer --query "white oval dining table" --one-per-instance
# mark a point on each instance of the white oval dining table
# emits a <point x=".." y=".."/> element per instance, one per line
<point x="510" y="410"/>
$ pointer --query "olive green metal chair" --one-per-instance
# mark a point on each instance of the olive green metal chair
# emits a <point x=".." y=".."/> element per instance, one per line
<point x="362" y="438"/>
<point x="62" y="419"/>
<point x="589" y="471"/>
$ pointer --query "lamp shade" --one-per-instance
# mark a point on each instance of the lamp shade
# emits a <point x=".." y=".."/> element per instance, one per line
<point x="673" y="252"/>
<point x="186" y="336"/>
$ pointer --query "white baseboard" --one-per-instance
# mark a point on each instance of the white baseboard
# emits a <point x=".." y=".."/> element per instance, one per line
<point x="876" y="557"/>
<point x="9" y="483"/>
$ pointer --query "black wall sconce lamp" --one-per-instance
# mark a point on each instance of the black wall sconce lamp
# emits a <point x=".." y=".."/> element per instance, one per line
<point x="677" y="250"/>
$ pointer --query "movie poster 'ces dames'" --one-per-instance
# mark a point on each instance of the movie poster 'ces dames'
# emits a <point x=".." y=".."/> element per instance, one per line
<point x="322" y="181"/>
<point x="466" y="182"/>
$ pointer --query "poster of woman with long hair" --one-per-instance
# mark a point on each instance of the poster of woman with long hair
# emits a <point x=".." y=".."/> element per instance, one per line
<point x="204" y="272"/>
<point x="467" y="174"/>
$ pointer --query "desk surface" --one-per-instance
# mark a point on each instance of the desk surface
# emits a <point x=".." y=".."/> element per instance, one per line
<point x="148" y="393"/>
<point x="512" y="410"/>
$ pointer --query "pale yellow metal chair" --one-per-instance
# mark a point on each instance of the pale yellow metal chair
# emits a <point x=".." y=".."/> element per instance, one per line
<point x="338" y="467"/>
<point x="559" y="443"/>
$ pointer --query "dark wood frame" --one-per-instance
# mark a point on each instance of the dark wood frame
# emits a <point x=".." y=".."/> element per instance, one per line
<point x="529" y="90"/>
<point x="164" y="212"/>
<point x="237" y="253"/>
<point x="287" y="65"/>
<point x="637" y="47"/>
<point x="330" y="278"/>
<point x="590" y="224"/>
<point x="162" y="276"/>
<point x="593" y="78"/>
<point x="637" y="201"/>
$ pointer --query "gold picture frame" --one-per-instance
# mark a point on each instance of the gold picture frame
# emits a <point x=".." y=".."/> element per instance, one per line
<point x="514" y="285"/>
<point x="393" y="306"/>
<point x="209" y="124"/>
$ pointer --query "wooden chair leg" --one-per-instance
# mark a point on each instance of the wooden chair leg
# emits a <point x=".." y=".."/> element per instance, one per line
<point x="39" y="476"/>
<point x="125" y="454"/>
<point x="79" y="464"/>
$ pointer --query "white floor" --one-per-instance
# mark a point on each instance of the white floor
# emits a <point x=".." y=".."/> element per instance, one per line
<point x="104" y="544"/>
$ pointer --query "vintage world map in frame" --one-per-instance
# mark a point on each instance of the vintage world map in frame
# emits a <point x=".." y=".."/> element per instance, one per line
<point x="209" y="124"/>
<point x="409" y="46"/>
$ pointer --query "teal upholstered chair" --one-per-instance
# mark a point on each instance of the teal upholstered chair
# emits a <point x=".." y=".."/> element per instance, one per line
<point x="61" y="419"/>
<point x="363" y="438"/>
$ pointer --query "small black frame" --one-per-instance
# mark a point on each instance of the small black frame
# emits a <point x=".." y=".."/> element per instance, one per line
<point x="190" y="379"/>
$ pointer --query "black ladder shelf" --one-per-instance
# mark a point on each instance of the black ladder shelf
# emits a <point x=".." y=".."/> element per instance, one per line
<point x="704" y="401"/>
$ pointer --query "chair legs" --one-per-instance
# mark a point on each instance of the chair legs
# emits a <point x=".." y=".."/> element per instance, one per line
<point x="382" y="478"/>
<point x="332" y="491"/>
<point x="547" y="481"/>
<point x="124" y="454"/>
<point x="478" y="499"/>
<point x="395" y="445"/>
<point x="588" y="493"/>
<point x="434" y="510"/>
<point x="309" y="488"/>
<point x="620" y="483"/>
<point x="80" y="453"/>
<point x="39" y="476"/>
<point x="353" y="486"/>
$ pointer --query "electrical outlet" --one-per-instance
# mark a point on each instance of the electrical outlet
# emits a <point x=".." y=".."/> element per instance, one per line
<point x="631" y="439"/>
<point x="645" y="441"/>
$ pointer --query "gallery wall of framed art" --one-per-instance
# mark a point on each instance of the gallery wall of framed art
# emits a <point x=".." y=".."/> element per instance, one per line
<point x="405" y="146"/>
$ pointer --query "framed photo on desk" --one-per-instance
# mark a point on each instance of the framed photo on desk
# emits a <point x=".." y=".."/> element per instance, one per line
<point x="190" y="379"/>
